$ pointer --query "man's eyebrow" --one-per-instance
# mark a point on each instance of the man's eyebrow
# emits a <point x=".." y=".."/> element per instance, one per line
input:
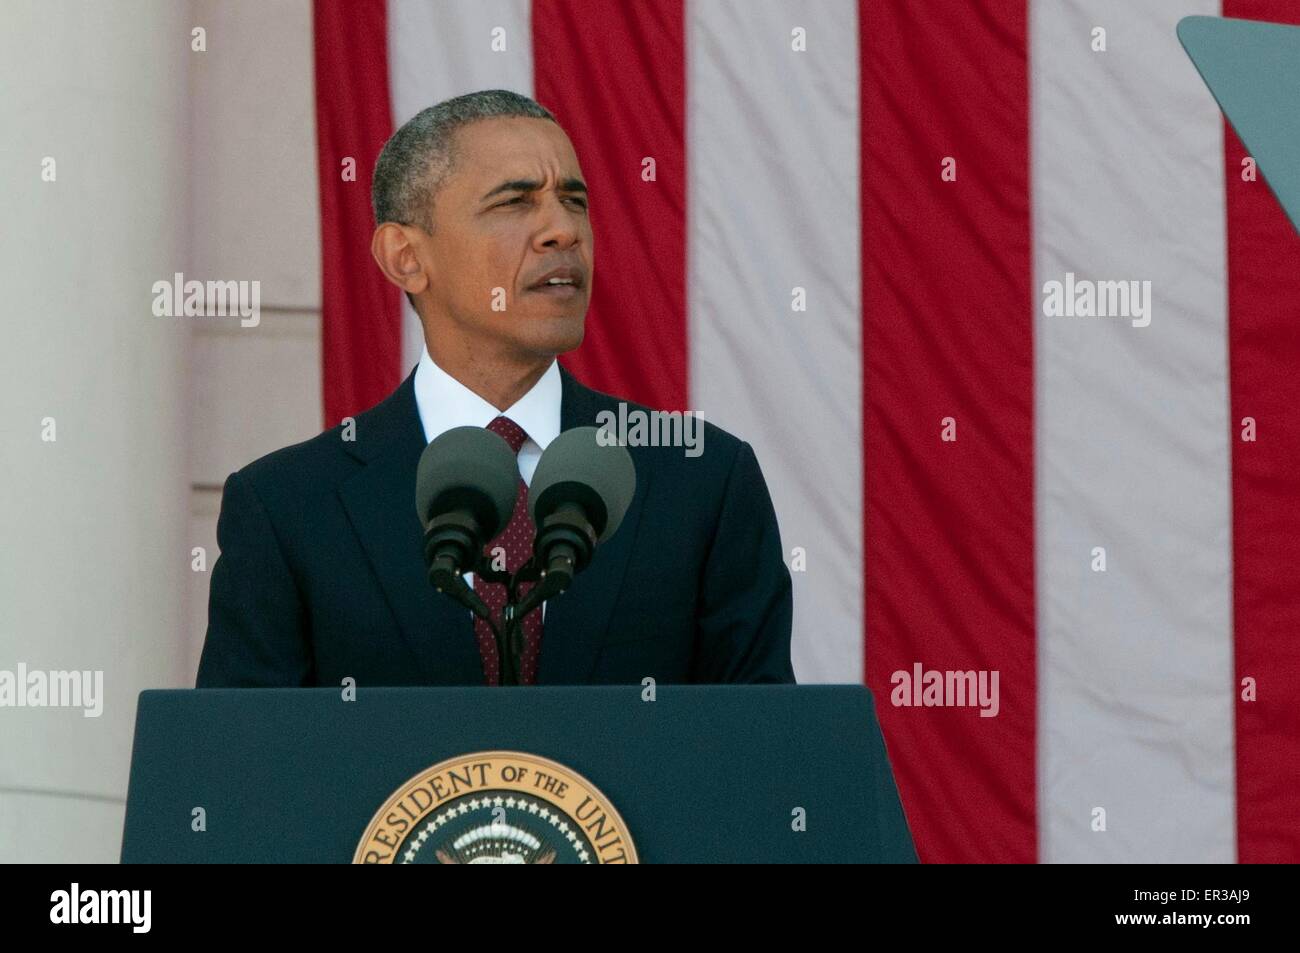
<point x="532" y="185"/>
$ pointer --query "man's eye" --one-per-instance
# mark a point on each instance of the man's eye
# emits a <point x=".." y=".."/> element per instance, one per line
<point x="582" y="203"/>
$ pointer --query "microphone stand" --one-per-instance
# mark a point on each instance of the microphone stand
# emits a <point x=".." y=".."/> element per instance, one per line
<point x="508" y="634"/>
<point x="516" y="610"/>
<point x="549" y="581"/>
<point x="569" y="541"/>
<point x="513" y="616"/>
<point x="507" y="654"/>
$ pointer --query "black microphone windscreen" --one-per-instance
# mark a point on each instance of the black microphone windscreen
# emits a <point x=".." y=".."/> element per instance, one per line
<point x="577" y="467"/>
<point x="468" y="468"/>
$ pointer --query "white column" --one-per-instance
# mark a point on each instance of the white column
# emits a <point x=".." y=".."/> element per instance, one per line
<point x="94" y="554"/>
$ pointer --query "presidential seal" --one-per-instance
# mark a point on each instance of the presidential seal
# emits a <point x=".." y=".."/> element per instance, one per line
<point x="496" y="807"/>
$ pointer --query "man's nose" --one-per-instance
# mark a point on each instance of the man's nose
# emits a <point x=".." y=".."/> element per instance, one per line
<point x="560" y="226"/>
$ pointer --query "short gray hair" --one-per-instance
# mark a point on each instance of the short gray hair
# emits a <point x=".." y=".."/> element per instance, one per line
<point x="417" y="159"/>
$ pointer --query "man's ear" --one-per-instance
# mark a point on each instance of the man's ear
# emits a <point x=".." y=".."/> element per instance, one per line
<point x="394" y="252"/>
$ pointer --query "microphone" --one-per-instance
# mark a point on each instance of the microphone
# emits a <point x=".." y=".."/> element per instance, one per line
<point x="465" y="488"/>
<point x="579" y="494"/>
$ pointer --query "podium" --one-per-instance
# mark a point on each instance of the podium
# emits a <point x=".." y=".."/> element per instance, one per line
<point x="673" y="773"/>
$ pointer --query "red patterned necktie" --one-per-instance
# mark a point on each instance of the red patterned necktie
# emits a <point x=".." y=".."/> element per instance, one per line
<point x="517" y="541"/>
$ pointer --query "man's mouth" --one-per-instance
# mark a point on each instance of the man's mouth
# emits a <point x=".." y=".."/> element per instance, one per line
<point x="557" y="289"/>
<point x="564" y="282"/>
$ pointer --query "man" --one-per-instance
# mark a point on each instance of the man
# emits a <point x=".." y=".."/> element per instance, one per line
<point x="321" y="577"/>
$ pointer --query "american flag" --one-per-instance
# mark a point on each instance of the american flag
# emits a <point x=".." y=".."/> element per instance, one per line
<point x="832" y="228"/>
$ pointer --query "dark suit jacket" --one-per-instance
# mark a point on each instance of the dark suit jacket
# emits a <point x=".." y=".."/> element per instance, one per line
<point x="321" y="574"/>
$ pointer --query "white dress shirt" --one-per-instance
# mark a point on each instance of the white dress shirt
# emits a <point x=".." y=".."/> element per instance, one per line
<point x="444" y="402"/>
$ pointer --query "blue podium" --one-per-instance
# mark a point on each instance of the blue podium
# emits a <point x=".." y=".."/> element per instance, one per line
<point x="605" y="774"/>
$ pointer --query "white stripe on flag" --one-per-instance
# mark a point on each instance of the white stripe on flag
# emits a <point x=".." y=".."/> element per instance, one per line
<point x="1135" y="690"/>
<point x="772" y="160"/>
<point x="439" y="50"/>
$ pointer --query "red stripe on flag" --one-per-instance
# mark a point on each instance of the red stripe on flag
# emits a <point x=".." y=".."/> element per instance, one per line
<point x="1264" y="352"/>
<point x="613" y="73"/>
<point x="948" y="332"/>
<point x="361" y="315"/>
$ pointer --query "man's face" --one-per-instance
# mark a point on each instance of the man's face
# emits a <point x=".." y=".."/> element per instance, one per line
<point x="512" y="210"/>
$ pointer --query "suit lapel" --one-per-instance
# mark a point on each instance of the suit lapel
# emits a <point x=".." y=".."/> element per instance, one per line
<point x="576" y="620"/>
<point x="380" y="503"/>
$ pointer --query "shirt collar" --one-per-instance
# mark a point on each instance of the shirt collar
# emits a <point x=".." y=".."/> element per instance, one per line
<point x="444" y="402"/>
